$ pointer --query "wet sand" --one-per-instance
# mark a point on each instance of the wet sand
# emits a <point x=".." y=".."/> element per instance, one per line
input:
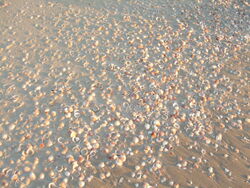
<point x="124" y="93"/>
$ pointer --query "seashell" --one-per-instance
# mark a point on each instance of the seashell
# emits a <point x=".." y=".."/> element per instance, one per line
<point x="102" y="176"/>
<point x="32" y="176"/>
<point x="147" y="126"/>
<point x="51" y="158"/>
<point x="219" y="137"/>
<point x="49" y="143"/>
<point x="81" y="184"/>
<point x="70" y="109"/>
<point x="73" y="134"/>
<point x="123" y="157"/>
<point x="101" y="165"/>
<point x="92" y="153"/>
<point x="59" y="168"/>
<point x="210" y="170"/>
<point x="53" y="113"/>
<point x="59" y="140"/>
<point x="27" y="169"/>
<point x="68" y="115"/>
<point x="75" y="139"/>
<point x="14" y="177"/>
<point x="137" y="168"/>
<point x="119" y="162"/>
<point x="80" y="159"/>
<point x="29" y="151"/>
<point x="74" y="165"/>
<point x="108" y="174"/>
<point x="117" y="123"/>
<point x="52" y="185"/>
<point x="52" y="174"/>
<point x="157" y="123"/>
<point x="135" y="140"/>
<point x="70" y="158"/>
<point x="41" y="176"/>
<point x="121" y="180"/>
<point x="96" y="145"/>
<point x="76" y="114"/>
<point x="6" y="171"/>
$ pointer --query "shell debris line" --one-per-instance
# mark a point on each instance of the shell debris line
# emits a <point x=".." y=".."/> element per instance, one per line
<point x="124" y="93"/>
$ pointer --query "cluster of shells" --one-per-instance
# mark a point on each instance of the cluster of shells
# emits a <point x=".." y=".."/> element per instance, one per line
<point x="94" y="94"/>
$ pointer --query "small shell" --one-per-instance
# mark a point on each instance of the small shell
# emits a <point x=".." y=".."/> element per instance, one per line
<point x="59" y="169"/>
<point x="71" y="109"/>
<point x="117" y="123"/>
<point x="68" y="115"/>
<point x="247" y="120"/>
<point x="70" y="159"/>
<point x="210" y="170"/>
<point x="108" y="174"/>
<point x="67" y="173"/>
<point x="119" y="162"/>
<point x="123" y="157"/>
<point x="14" y="177"/>
<point x="51" y="158"/>
<point x="102" y="164"/>
<point x="135" y="140"/>
<point x="157" y="123"/>
<point x="147" y="126"/>
<point x="81" y="184"/>
<point x="66" y="110"/>
<point x="47" y="110"/>
<point x="102" y="176"/>
<point x="52" y="174"/>
<point x="75" y="139"/>
<point x="53" y="113"/>
<point x="59" y="140"/>
<point x="137" y="168"/>
<point x="27" y="169"/>
<point x="50" y="143"/>
<point x="41" y="176"/>
<point x="158" y="165"/>
<point x="96" y="145"/>
<point x="76" y="114"/>
<point x="29" y="151"/>
<point x="52" y="185"/>
<point x="32" y="176"/>
<point x="73" y="134"/>
<point x="219" y="137"/>
<point x="80" y="159"/>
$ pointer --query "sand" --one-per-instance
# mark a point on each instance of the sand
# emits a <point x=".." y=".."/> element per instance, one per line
<point x="155" y="91"/>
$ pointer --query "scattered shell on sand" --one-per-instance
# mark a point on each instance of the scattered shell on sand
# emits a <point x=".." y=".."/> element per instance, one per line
<point x="104" y="90"/>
